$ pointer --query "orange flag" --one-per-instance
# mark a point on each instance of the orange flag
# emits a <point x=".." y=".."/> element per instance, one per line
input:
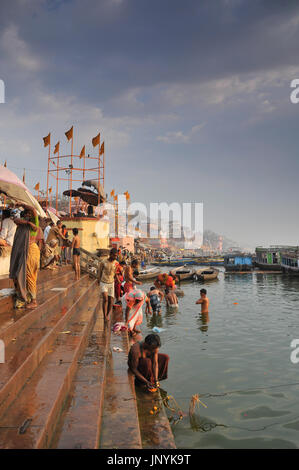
<point x="47" y="140"/>
<point x="69" y="133"/>
<point x="102" y="149"/>
<point x="127" y="196"/>
<point x="50" y="190"/>
<point x="36" y="187"/>
<point x="96" y="140"/>
<point x="82" y="154"/>
<point x="56" y="150"/>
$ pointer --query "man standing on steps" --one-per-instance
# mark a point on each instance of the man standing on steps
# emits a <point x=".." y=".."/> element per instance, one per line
<point x="107" y="271"/>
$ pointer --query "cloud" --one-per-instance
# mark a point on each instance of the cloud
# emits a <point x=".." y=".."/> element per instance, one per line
<point x="178" y="137"/>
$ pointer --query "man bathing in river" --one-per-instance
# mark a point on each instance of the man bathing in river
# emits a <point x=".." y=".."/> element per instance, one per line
<point x="204" y="301"/>
<point x="146" y="363"/>
<point x="171" y="298"/>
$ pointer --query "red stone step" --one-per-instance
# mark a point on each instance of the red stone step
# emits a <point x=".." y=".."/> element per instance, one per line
<point x="14" y="322"/>
<point x="15" y="373"/>
<point x="120" y="425"/>
<point x="80" y="423"/>
<point x="31" y="419"/>
<point x="44" y="283"/>
<point x="43" y="274"/>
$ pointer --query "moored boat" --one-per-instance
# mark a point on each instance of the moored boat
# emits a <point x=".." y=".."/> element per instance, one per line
<point x="206" y="274"/>
<point x="183" y="273"/>
<point x="148" y="274"/>
<point x="290" y="261"/>
<point x="268" y="259"/>
<point x="238" y="263"/>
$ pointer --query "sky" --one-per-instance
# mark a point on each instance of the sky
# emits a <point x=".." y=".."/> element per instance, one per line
<point x="192" y="99"/>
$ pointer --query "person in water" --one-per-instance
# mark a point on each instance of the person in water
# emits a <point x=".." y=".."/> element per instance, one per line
<point x="204" y="301"/>
<point x="146" y="363"/>
<point x="171" y="298"/>
<point x="155" y="297"/>
<point x="134" y="316"/>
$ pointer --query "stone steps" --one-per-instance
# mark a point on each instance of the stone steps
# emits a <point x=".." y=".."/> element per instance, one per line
<point x="80" y="422"/>
<point x="31" y="418"/>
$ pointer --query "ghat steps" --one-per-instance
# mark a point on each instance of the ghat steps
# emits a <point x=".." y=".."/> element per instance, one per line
<point x="62" y="385"/>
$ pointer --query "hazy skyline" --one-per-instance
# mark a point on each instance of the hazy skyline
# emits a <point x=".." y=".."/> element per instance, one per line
<point x="192" y="99"/>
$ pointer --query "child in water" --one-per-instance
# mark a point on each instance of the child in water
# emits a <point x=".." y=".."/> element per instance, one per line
<point x="204" y="301"/>
<point x="155" y="300"/>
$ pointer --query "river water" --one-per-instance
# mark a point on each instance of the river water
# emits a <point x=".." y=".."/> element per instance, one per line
<point x="238" y="359"/>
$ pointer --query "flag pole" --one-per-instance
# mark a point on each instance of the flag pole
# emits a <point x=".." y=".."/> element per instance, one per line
<point x="84" y="167"/>
<point x="71" y="175"/>
<point x="99" y="192"/>
<point x="57" y="179"/>
<point x="49" y="157"/>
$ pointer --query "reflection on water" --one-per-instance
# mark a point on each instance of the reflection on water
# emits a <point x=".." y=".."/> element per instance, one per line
<point x="237" y="358"/>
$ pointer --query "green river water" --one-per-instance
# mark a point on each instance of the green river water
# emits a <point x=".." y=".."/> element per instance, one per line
<point x="238" y="360"/>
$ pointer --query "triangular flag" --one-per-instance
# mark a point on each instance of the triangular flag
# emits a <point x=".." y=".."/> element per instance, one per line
<point x="50" y="190"/>
<point x="96" y="140"/>
<point x="102" y="149"/>
<point x="47" y="140"/>
<point x="69" y="133"/>
<point x="127" y="196"/>
<point x="36" y="187"/>
<point x="82" y="153"/>
<point x="56" y="150"/>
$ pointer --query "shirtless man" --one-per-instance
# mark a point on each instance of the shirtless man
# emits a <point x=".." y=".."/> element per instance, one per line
<point x="147" y="364"/>
<point x="76" y="252"/>
<point x="204" y="301"/>
<point x="171" y="298"/>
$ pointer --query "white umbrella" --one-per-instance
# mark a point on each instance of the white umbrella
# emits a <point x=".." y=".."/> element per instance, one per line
<point x="14" y="188"/>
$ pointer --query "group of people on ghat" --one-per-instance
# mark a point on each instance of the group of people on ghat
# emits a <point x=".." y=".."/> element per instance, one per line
<point x="34" y="243"/>
<point x="118" y="285"/>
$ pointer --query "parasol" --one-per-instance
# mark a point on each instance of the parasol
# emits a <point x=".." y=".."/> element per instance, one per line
<point x="15" y="189"/>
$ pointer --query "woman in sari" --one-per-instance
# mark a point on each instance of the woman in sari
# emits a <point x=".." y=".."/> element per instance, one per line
<point x="25" y="258"/>
<point x="134" y="316"/>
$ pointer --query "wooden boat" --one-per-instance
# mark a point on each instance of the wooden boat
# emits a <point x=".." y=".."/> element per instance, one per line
<point x="148" y="274"/>
<point x="206" y="274"/>
<point x="183" y="273"/>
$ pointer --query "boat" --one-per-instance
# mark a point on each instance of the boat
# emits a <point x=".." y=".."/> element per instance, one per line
<point x="204" y="261"/>
<point x="290" y="261"/>
<point x="238" y="263"/>
<point x="183" y="273"/>
<point x="206" y="274"/>
<point x="268" y="259"/>
<point x="148" y="274"/>
<point x="175" y="262"/>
